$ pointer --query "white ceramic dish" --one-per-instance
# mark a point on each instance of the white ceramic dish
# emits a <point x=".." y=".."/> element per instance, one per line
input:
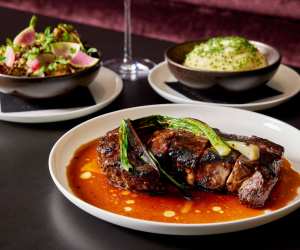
<point x="246" y="123"/>
<point x="286" y="80"/>
<point x="106" y="87"/>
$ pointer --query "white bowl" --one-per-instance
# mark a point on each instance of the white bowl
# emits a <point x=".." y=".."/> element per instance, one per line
<point x="228" y="120"/>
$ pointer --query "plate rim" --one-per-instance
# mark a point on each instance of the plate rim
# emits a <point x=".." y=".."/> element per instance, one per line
<point x="71" y="114"/>
<point x="258" y="105"/>
<point x="253" y="221"/>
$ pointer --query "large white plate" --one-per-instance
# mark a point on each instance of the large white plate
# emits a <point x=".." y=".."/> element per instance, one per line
<point x="106" y="87"/>
<point x="286" y="80"/>
<point x="245" y="123"/>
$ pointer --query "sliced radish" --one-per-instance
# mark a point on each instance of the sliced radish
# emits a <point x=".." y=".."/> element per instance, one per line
<point x="9" y="56"/>
<point x="25" y="37"/>
<point x="39" y="61"/>
<point x="66" y="50"/>
<point x="34" y="65"/>
<point x="82" y="60"/>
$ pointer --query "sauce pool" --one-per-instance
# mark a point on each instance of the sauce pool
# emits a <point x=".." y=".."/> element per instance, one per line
<point x="91" y="185"/>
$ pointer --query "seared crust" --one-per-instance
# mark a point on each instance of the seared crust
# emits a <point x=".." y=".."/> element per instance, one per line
<point x="144" y="178"/>
<point x="190" y="159"/>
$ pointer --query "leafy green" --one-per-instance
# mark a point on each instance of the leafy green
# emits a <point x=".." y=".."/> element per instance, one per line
<point x="73" y="50"/>
<point x="123" y="141"/>
<point x="66" y="36"/>
<point x="53" y="66"/>
<point x="9" y="42"/>
<point x="48" y="38"/>
<point x="33" y="21"/>
<point x="2" y="58"/>
<point x="47" y="31"/>
<point x="31" y="53"/>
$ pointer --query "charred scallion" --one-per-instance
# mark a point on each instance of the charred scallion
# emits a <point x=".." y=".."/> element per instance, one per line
<point x="194" y="126"/>
<point x="123" y="141"/>
<point x="129" y="139"/>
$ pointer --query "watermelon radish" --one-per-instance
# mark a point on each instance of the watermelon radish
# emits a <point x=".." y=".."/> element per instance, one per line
<point x="66" y="50"/>
<point x="39" y="61"/>
<point x="25" y="37"/>
<point x="82" y="60"/>
<point x="9" y="56"/>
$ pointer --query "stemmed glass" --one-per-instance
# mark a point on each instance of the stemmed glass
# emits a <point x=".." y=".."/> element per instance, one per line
<point x="129" y="68"/>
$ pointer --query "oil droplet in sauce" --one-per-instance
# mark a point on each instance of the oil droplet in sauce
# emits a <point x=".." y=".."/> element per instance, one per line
<point x="127" y="209"/>
<point x="206" y="207"/>
<point x="169" y="213"/>
<point x="86" y="175"/>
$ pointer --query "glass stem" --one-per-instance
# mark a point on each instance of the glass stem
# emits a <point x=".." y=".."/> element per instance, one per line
<point x="127" y="32"/>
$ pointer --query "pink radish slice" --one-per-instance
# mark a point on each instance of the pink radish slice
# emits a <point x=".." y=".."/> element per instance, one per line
<point x="34" y="65"/>
<point x="25" y="37"/>
<point x="82" y="60"/>
<point x="39" y="61"/>
<point x="66" y="50"/>
<point x="9" y="56"/>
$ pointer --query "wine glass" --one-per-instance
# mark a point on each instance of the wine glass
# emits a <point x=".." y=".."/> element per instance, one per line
<point x="129" y="68"/>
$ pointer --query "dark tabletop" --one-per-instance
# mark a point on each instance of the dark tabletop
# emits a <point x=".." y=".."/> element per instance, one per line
<point x="35" y="215"/>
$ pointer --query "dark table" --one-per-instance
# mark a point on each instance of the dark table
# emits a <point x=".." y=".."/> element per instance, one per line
<point x="35" y="215"/>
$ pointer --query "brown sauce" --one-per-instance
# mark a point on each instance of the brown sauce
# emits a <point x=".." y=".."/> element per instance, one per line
<point x="89" y="184"/>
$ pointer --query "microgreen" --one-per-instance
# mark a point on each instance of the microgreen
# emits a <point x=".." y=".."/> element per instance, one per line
<point x="66" y="36"/>
<point x="53" y="66"/>
<point x="33" y="21"/>
<point x="9" y="42"/>
<point x="32" y="53"/>
<point x="92" y="50"/>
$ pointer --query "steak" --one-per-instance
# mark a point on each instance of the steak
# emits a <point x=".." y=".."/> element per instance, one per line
<point x="214" y="170"/>
<point x="255" y="190"/>
<point x="143" y="178"/>
<point x="191" y="160"/>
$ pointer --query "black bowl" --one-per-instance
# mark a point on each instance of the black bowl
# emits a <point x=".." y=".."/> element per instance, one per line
<point x="48" y="87"/>
<point x="231" y="80"/>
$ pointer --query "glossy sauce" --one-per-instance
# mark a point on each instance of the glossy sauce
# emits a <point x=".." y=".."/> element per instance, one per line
<point x="89" y="184"/>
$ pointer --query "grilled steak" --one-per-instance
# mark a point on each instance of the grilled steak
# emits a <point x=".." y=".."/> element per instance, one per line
<point x="213" y="170"/>
<point x="242" y="169"/>
<point x="255" y="190"/>
<point x="192" y="160"/>
<point x="144" y="178"/>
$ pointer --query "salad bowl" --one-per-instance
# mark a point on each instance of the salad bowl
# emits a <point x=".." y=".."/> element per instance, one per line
<point x="49" y="86"/>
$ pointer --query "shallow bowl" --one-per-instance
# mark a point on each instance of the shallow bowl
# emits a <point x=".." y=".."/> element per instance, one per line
<point x="246" y="123"/>
<point x="48" y="87"/>
<point x="231" y="80"/>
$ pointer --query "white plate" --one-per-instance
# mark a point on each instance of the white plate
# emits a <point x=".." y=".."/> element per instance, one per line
<point x="246" y="123"/>
<point x="286" y="80"/>
<point x="105" y="88"/>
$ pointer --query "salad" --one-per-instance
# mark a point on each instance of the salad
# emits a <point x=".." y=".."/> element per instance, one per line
<point x="54" y="52"/>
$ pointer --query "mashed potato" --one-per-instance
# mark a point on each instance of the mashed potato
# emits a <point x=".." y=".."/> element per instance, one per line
<point x="230" y="53"/>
